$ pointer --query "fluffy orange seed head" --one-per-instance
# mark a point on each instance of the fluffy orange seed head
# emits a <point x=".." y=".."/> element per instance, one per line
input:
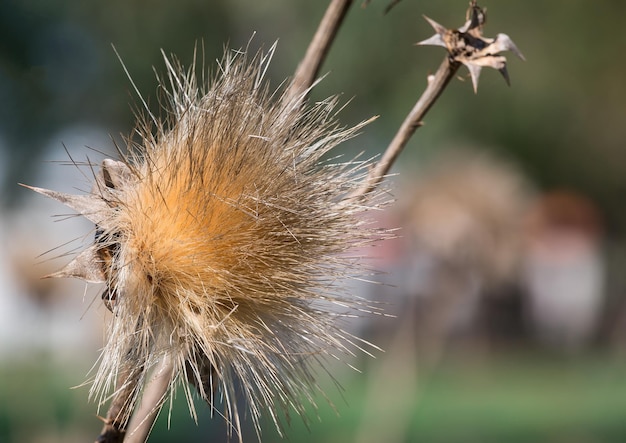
<point x="223" y="237"/>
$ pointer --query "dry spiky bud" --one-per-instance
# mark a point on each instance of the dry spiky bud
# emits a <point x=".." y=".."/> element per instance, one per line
<point x="468" y="46"/>
<point x="222" y="238"/>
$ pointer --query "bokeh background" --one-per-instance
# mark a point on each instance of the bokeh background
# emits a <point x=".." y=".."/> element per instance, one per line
<point x="507" y="282"/>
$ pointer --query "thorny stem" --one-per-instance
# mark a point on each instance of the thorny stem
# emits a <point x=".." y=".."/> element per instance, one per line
<point x="318" y="48"/>
<point x="114" y="428"/>
<point x="152" y="399"/>
<point x="436" y="84"/>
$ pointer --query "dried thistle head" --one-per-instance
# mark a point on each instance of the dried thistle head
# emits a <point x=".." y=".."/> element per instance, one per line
<point x="468" y="46"/>
<point x="222" y="236"/>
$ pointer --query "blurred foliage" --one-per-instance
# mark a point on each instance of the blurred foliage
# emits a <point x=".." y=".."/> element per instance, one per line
<point x="517" y="398"/>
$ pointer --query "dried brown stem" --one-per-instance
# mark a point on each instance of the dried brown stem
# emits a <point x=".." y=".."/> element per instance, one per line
<point x="114" y="429"/>
<point x="436" y="84"/>
<point x="318" y="48"/>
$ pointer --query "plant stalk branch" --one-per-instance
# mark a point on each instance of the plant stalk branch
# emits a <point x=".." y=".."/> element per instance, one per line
<point x="318" y="48"/>
<point x="116" y="420"/>
<point x="152" y="400"/>
<point x="436" y="84"/>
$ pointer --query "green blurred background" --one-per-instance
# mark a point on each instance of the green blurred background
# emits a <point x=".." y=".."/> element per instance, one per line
<point x="507" y="283"/>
